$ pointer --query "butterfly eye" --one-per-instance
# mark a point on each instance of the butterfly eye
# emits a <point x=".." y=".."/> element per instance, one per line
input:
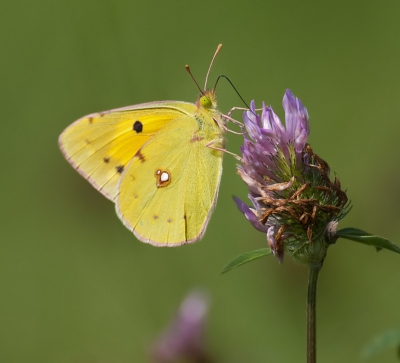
<point x="205" y="102"/>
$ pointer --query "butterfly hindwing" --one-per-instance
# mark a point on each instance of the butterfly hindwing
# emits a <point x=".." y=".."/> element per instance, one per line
<point x="169" y="189"/>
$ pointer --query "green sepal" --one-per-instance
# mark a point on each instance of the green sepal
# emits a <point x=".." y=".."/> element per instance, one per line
<point x="382" y="342"/>
<point x="246" y="257"/>
<point x="358" y="235"/>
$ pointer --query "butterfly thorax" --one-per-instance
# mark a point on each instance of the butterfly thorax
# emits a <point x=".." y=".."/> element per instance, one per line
<point x="211" y="122"/>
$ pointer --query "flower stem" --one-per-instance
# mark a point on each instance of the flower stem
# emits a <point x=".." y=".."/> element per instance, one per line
<point x="311" y="313"/>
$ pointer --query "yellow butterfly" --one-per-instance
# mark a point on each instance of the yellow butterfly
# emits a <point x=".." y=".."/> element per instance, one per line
<point x="160" y="162"/>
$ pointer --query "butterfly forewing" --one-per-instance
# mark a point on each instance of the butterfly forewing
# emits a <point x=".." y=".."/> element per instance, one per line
<point x="101" y="145"/>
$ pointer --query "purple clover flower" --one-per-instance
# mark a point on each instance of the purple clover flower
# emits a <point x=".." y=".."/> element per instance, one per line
<point x="183" y="340"/>
<point x="294" y="202"/>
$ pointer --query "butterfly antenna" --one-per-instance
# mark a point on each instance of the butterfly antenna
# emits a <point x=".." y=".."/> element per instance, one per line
<point x="212" y="61"/>
<point x="191" y="75"/>
<point x="237" y="92"/>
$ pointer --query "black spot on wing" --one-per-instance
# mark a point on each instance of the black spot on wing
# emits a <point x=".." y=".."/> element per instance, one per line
<point x="120" y="168"/>
<point x="106" y="160"/>
<point x="138" y="126"/>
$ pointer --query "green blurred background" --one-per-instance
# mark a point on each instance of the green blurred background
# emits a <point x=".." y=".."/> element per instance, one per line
<point x="76" y="286"/>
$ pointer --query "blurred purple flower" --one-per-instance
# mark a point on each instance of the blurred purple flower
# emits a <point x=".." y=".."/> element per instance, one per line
<point x="293" y="198"/>
<point x="183" y="340"/>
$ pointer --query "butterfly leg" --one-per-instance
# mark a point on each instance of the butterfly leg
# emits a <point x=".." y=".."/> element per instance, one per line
<point x="236" y="109"/>
<point x="235" y="122"/>
<point x="237" y="157"/>
<point x="223" y="126"/>
<point x="239" y="109"/>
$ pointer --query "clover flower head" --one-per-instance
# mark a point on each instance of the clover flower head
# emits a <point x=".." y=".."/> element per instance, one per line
<point x="294" y="201"/>
<point x="183" y="340"/>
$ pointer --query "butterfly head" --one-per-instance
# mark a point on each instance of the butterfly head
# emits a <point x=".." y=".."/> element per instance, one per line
<point x="207" y="100"/>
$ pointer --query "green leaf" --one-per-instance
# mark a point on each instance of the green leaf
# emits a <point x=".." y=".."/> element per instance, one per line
<point x="358" y="235"/>
<point x="381" y="342"/>
<point x="246" y="257"/>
